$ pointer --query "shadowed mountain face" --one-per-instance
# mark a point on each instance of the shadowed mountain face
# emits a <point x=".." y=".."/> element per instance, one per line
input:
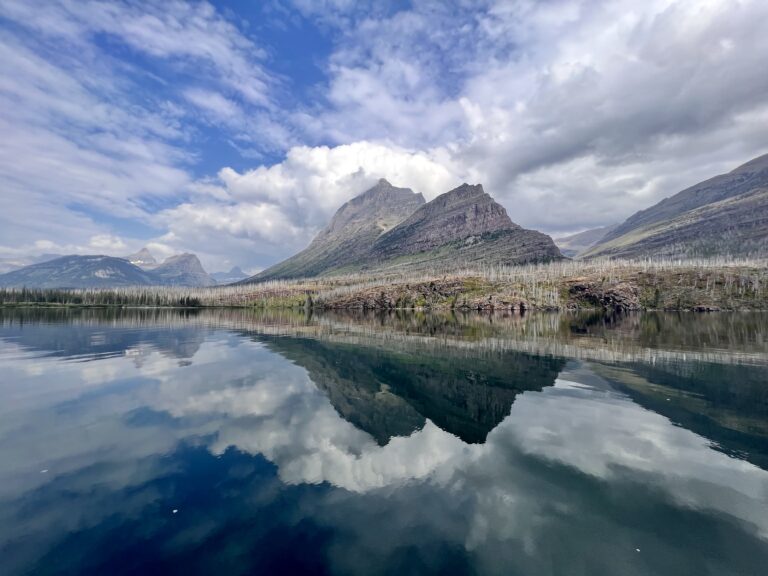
<point x="351" y="233"/>
<point x="388" y="227"/>
<point x="461" y="213"/>
<point x="463" y="227"/>
<point x="725" y="215"/>
<point x="390" y="393"/>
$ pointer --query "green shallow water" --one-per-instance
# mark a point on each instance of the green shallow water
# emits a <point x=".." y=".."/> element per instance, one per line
<point x="237" y="442"/>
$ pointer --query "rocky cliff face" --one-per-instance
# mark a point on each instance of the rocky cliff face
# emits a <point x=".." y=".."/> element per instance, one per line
<point x="182" y="270"/>
<point x="349" y="236"/>
<point x="391" y="227"/>
<point x="724" y="216"/>
<point x="463" y="212"/>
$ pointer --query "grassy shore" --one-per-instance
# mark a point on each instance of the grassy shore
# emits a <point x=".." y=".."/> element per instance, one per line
<point x="715" y="284"/>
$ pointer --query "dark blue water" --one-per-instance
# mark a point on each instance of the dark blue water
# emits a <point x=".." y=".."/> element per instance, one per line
<point x="242" y="443"/>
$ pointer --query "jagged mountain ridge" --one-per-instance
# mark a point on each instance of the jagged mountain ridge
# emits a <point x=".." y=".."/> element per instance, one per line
<point x="99" y="271"/>
<point x="463" y="212"/>
<point x="351" y="232"/>
<point x="388" y="227"/>
<point x="182" y="270"/>
<point x="78" y="272"/>
<point x="723" y="216"/>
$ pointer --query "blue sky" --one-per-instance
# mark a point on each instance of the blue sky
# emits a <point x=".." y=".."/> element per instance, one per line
<point x="235" y="129"/>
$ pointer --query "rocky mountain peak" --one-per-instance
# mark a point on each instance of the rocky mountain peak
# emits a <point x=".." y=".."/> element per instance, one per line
<point x="142" y="258"/>
<point x="466" y="211"/>
<point x="187" y="262"/>
<point x="351" y="232"/>
<point x="381" y="207"/>
<point x="183" y="270"/>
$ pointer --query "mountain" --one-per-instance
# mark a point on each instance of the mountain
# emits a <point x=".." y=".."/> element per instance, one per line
<point x="724" y="216"/>
<point x="388" y="227"/>
<point x="107" y="272"/>
<point x="182" y="270"/>
<point x="78" y="272"/>
<point x="575" y="244"/>
<point x="234" y="275"/>
<point x="8" y="264"/>
<point x="463" y="227"/>
<point x="351" y="233"/>
<point x="143" y="259"/>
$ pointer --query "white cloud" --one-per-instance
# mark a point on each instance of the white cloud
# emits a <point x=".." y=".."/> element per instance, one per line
<point x="107" y="244"/>
<point x="169" y="30"/>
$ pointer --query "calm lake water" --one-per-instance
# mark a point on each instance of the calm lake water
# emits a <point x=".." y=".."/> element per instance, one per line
<point x="234" y="442"/>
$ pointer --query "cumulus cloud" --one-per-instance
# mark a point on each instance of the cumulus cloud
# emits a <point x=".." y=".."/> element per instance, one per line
<point x="273" y="211"/>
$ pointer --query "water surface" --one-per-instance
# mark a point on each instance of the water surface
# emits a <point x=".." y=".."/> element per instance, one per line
<point x="235" y="442"/>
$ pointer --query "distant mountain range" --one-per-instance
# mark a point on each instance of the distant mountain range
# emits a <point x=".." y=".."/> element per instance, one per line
<point x="390" y="228"/>
<point x="78" y="272"/>
<point x="235" y="274"/>
<point x="576" y="244"/>
<point x="100" y="271"/>
<point x="9" y="264"/>
<point x="724" y="216"/>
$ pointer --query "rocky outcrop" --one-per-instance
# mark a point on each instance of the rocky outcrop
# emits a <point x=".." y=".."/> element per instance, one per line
<point x="620" y="297"/>
<point x="724" y="216"/>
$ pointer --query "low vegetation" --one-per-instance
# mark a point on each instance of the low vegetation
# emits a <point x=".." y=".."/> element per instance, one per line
<point x="615" y="284"/>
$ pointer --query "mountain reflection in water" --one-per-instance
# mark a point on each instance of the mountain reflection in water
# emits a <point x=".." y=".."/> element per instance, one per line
<point x="369" y="443"/>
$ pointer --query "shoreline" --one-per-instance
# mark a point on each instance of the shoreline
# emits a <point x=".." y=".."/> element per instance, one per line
<point x="702" y="286"/>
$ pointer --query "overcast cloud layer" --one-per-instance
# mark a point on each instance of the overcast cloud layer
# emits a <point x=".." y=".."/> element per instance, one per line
<point x="236" y="134"/>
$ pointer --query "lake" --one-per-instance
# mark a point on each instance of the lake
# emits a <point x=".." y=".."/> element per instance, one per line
<point x="243" y="442"/>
